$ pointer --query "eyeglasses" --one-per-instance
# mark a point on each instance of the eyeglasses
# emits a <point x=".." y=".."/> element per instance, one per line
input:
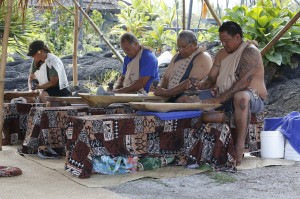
<point x="183" y="48"/>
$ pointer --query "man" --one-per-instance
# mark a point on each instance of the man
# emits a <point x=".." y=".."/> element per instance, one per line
<point x="140" y="67"/>
<point x="236" y="78"/>
<point x="190" y="61"/>
<point x="47" y="71"/>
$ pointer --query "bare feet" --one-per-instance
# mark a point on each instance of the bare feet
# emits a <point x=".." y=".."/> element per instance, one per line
<point x="239" y="154"/>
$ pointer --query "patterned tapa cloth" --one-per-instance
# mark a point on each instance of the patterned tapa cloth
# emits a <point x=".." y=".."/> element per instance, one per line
<point x="252" y="143"/>
<point x="15" y="119"/>
<point x="8" y="171"/>
<point x="47" y="125"/>
<point x="147" y="136"/>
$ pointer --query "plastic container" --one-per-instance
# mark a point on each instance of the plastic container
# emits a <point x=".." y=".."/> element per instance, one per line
<point x="271" y="122"/>
<point x="272" y="144"/>
<point x="290" y="153"/>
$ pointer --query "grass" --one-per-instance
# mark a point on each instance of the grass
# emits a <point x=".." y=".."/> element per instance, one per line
<point x="109" y="76"/>
<point x="222" y="177"/>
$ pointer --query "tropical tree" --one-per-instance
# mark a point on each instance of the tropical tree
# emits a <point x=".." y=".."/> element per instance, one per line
<point x="19" y="32"/>
<point x="261" y="23"/>
<point x="148" y="20"/>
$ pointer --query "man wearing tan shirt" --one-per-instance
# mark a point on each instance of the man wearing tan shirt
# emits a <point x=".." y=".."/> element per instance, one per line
<point x="190" y="61"/>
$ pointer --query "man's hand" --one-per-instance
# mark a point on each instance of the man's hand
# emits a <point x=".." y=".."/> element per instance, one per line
<point x="193" y="82"/>
<point x="161" y="92"/>
<point x="212" y="101"/>
<point x="153" y="86"/>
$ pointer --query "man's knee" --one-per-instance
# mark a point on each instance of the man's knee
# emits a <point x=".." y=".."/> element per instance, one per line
<point x="241" y="100"/>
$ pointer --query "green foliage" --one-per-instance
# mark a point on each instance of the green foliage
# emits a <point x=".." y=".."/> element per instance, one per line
<point x="20" y="29"/>
<point x="107" y="77"/>
<point x="58" y="31"/>
<point x="147" y="20"/>
<point x="262" y="22"/>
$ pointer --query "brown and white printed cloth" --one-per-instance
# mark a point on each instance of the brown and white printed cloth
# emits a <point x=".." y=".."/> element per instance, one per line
<point x="177" y="69"/>
<point x="123" y="135"/>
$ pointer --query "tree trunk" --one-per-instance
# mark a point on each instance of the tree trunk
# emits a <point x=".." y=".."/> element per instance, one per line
<point x="3" y="63"/>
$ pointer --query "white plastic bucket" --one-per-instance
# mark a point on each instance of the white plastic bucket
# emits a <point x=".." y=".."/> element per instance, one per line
<point x="272" y="144"/>
<point x="290" y="153"/>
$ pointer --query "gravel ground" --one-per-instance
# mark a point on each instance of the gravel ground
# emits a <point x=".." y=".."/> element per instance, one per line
<point x="267" y="182"/>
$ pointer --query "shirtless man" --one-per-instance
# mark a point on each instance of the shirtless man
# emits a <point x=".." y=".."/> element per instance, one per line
<point x="236" y="78"/>
<point x="190" y="61"/>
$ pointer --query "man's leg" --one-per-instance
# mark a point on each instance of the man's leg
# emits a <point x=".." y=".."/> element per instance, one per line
<point x="242" y="118"/>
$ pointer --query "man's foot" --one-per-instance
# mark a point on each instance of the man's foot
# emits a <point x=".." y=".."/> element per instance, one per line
<point x="239" y="154"/>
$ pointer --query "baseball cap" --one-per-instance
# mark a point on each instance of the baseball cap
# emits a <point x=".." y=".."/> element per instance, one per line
<point x="35" y="46"/>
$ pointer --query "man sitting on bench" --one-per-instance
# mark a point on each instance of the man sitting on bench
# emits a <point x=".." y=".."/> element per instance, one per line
<point x="236" y="80"/>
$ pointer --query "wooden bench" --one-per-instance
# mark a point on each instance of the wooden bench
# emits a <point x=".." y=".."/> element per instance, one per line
<point x="29" y="96"/>
<point x="53" y="101"/>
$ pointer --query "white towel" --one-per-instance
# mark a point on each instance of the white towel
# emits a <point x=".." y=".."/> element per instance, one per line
<point x="41" y="74"/>
<point x="54" y="61"/>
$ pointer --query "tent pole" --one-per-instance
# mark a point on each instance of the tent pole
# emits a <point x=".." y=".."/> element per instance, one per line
<point x="3" y="63"/>
<point x="213" y="13"/>
<point x="183" y="14"/>
<point x="75" y="41"/>
<point x="119" y="56"/>
<point x="190" y="15"/>
<point x="279" y="34"/>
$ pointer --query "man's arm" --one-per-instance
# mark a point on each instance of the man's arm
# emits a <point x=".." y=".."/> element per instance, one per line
<point x="119" y="83"/>
<point x="52" y="83"/>
<point x="30" y="77"/>
<point x="210" y="81"/>
<point x="135" y="86"/>
<point x="246" y="69"/>
<point x="180" y="88"/>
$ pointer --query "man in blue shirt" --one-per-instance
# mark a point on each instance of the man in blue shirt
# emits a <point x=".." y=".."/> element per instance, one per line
<point x="140" y="67"/>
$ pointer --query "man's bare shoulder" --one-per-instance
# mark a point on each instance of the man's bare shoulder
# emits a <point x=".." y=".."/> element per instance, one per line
<point x="221" y="54"/>
<point x="251" y="52"/>
<point x="203" y="56"/>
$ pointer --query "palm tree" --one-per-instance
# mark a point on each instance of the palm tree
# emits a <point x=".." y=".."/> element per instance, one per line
<point x="21" y="26"/>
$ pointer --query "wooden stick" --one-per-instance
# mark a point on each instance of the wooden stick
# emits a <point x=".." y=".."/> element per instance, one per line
<point x="64" y="7"/>
<point x="87" y="11"/>
<point x="75" y="41"/>
<point x="119" y="56"/>
<point x="183" y="14"/>
<point x="213" y="13"/>
<point x="279" y="34"/>
<point x="3" y="63"/>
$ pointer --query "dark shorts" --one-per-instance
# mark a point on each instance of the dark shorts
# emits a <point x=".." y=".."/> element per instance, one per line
<point x="55" y="91"/>
<point x="174" y="98"/>
<point x="256" y="103"/>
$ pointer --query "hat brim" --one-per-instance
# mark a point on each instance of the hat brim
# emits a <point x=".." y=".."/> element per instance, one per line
<point x="31" y="53"/>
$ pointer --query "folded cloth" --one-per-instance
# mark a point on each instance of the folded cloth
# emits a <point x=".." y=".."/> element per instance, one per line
<point x="173" y="115"/>
<point x="289" y="126"/>
<point x="271" y="124"/>
<point x="8" y="171"/>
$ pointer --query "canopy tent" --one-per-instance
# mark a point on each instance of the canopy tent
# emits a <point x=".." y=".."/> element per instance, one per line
<point x="23" y="3"/>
